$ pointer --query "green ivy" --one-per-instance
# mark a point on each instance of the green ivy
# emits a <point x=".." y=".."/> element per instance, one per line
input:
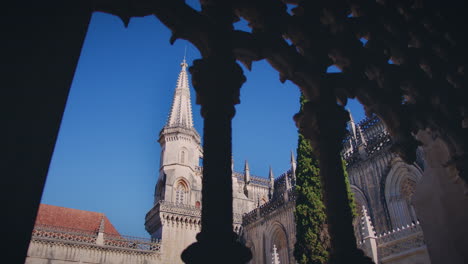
<point x="311" y="234"/>
<point x="352" y="204"/>
<point x="312" y="239"/>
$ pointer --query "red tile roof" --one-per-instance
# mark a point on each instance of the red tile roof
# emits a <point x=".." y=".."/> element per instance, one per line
<point x="73" y="218"/>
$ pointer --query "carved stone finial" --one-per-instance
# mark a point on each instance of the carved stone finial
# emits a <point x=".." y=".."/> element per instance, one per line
<point x="181" y="110"/>
<point x="246" y="173"/>
<point x="271" y="185"/>
<point x="275" y="256"/>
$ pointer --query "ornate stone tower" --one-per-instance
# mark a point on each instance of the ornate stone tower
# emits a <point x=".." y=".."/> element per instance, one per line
<point x="180" y="150"/>
<point x="175" y="216"/>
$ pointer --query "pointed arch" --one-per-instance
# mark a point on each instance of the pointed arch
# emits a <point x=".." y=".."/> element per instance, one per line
<point x="249" y="244"/>
<point x="278" y="236"/>
<point x="400" y="185"/>
<point x="181" y="191"/>
<point x="360" y="200"/>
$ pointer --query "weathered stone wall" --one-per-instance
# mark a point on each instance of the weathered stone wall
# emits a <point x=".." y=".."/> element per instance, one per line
<point x="177" y="235"/>
<point x="47" y="252"/>
<point x="441" y="203"/>
<point x="268" y="227"/>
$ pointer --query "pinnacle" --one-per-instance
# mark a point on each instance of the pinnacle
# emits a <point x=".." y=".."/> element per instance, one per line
<point x="181" y="110"/>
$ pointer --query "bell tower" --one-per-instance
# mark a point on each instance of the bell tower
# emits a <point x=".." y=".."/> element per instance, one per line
<point x="180" y="149"/>
<point x="179" y="184"/>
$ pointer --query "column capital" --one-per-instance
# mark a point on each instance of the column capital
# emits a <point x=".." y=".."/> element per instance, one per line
<point x="217" y="81"/>
<point x="322" y="124"/>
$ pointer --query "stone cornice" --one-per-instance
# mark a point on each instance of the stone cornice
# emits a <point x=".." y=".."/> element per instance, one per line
<point x="175" y="133"/>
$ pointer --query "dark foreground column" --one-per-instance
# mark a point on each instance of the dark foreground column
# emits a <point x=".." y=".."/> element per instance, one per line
<point x="217" y="82"/>
<point x="41" y="44"/>
<point x="324" y="123"/>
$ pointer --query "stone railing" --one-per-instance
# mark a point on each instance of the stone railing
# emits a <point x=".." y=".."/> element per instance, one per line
<point x="374" y="144"/>
<point x="47" y="232"/>
<point x="268" y="207"/>
<point x="400" y="240"/>
<point x="132" y="242"/>
<point x="253" y="179"/>
<point x="84" y="237"/>
<point x="178" y="208"/>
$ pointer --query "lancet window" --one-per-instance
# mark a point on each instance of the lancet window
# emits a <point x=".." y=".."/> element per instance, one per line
<point x="399" y="190"/>
<point x="182" y="157"/>
<point x="181" y="193"/>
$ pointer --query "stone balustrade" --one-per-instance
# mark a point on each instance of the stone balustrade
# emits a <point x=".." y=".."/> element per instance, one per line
<point x="399" y="240"/>
<point x="56" y="234"/>
<point x="268" y="207"/>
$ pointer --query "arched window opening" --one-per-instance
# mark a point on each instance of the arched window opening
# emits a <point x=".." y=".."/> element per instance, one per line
<point x="181" y="193"/>
<point x="399" y="190"/>
<point x="182" y="157"/>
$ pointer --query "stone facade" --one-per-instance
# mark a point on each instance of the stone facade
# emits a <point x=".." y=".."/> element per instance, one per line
<point x="175" y="216"/>
<point x="385" y="189"/>
<point x="387" y="228"/>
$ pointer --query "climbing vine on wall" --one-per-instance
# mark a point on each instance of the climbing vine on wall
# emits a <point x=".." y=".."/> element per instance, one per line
<point x="312" y="239"/>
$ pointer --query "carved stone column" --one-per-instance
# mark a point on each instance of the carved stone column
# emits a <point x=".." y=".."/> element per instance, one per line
<point x="217" y="81"/>
<point x="323" y="122"/>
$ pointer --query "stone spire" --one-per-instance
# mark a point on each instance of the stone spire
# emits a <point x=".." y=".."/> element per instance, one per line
<point x="355" y="129"/>
<point x="246" y="178"/>
<point x="293" y="160"/>
<point x="368" y="234"/>
<point x="275" y="256"/>
<point x="100" y="237"/>
<point x="363" y="139"/>
<point x="181" y="110"/>
<point x="352" y="125"/>
<point x="293" y="168"/>
<point x="246" y="172"/>
<point x="272" y="183"/>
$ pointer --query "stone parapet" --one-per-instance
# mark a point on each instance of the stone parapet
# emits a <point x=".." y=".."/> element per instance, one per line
<point x="399" y="242"/>
<point x="75" y="237"/>
<point x="269" y="207"/>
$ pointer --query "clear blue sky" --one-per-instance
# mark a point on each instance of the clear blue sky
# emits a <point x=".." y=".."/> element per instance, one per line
<point x="106" y="157"/>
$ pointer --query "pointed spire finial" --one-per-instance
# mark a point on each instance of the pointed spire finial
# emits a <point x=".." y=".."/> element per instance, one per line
<point x="367" y="226"/>
<point x="361" y="133"/>
<point x="352" y="125"/>
<point x="101" y="225"/>
<point x="293" y="160"/>
<point x="181" y="110"/>
<point x="275" y="256"/>
<point x="246" y="178"/>
<point x="271" y="186"/>
<point x="184" y="62"/>
<point x="246" y="166"/>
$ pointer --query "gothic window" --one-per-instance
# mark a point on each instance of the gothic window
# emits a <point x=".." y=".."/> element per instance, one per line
<point x="399" y="189"/>
<point x="182" y="157"/>
<point x="181" y="193"/>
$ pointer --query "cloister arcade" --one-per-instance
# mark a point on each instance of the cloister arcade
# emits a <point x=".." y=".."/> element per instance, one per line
<point x="420" y="97"/>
